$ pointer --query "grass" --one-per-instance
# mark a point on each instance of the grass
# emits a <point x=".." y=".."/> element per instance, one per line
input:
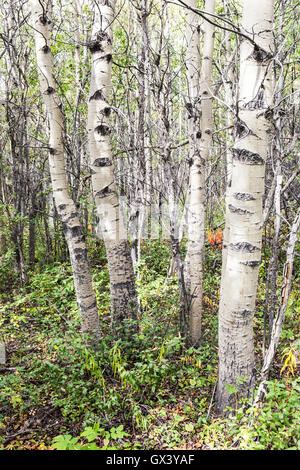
<point x="144" y="392"/>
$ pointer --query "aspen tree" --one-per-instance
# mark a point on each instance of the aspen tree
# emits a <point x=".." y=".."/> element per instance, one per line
<point x="279" y="318"/>
<point x="122" y="281"/>
<point x="200" y="132"/>
<point x="229" y="99"/>
<point x="143" y="138"/>
<point x="66" y="208"/>
<point x="244" y="206"/>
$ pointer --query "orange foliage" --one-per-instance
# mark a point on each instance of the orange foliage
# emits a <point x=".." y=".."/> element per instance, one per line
<point x="215" y="238"/>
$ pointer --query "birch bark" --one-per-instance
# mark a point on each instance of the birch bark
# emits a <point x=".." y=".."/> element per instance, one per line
<point x="66" y="207"/>
<point x="244" y="206"/>
<point x="279" y="319"/>
<point x="121" y="272"/>
<point x="200" y="132"/>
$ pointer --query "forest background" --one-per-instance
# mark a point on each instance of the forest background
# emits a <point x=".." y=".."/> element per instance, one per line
<point x="129" y="131"/>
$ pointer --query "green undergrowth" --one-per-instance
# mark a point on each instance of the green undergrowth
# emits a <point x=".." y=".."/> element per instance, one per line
<point x="141" y="391"/>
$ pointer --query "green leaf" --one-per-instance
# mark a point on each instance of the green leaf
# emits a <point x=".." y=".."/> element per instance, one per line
<point x="89" y="433"/>
<point x="189" y="427"/>
<point x="65" y="442"/>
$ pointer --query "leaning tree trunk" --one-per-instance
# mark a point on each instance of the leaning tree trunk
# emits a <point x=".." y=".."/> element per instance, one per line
<point x="121" y="273"/>
<point x="244" y="207"/>
<point x="200" y="134"/>
<point x="280" y="316"/>
<point x="66" y="207"/>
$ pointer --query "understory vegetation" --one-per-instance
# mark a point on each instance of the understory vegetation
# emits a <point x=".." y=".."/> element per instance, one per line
<point x="147" y="392"/>
<point x="149" y="225"/>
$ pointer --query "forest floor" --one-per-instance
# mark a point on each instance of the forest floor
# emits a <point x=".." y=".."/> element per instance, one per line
<point x="142" y="391"/>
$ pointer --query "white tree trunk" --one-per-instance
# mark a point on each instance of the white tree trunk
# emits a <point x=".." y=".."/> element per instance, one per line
<point x="200" y="133"/>
<point x="244" y="206"/>
<point x="285" y="292"/>
<point x="122" y="282"/>
<point x="66" y="207"/>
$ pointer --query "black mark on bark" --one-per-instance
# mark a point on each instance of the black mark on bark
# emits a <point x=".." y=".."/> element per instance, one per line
<point x="102" y="129"/>
<point x="244" y="197"/>
<point x="102" y="162"/>
<point x="243" y="312"/>
<point x="252" y="264"/>
<point x="244" y="246"/>
<point x="98" y="95"/>
<point x="46" y="49"/>
<point x="106" y="111"/>
<point x="104" y="192"/>
<point x="260" y="55"/>
<point x="50" y="90"/>
<point x="241" y="129"/>
<point x="238" y="210"/>
<point x="258" y="102"/>
<point x="108" y="58"/>
<point x="245" y="156"/>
